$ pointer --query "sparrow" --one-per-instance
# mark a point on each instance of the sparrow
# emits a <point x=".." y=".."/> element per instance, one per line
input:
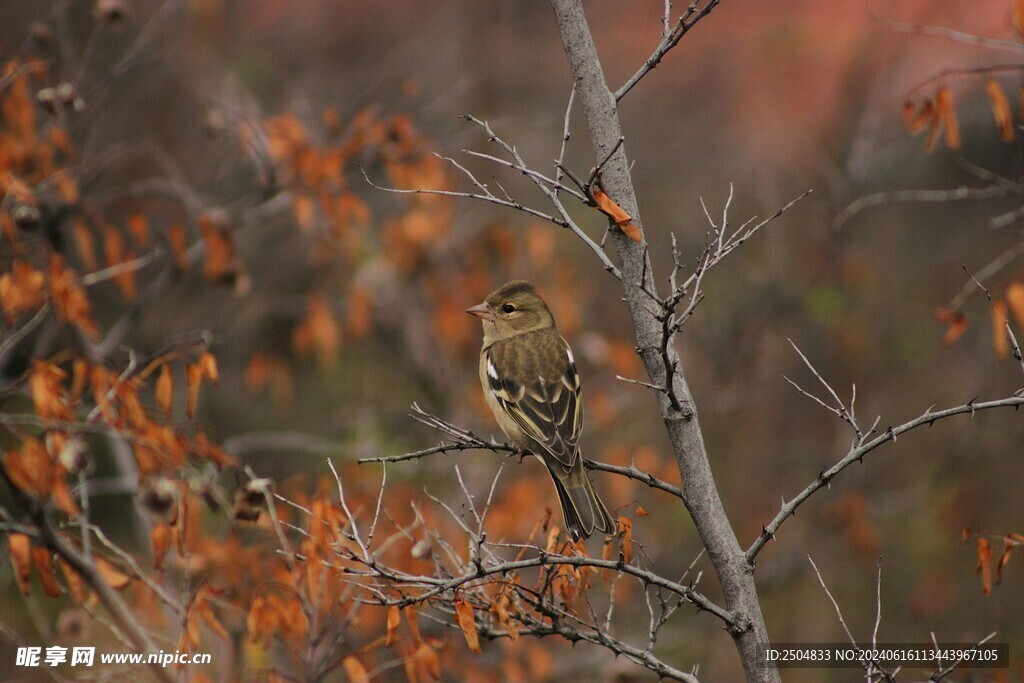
<point x="531" y="385"/>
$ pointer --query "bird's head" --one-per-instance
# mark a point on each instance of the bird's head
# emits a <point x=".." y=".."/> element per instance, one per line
<point x="514" y="308"/>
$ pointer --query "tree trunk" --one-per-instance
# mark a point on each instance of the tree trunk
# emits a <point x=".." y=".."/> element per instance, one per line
<point x="734" y="573"/>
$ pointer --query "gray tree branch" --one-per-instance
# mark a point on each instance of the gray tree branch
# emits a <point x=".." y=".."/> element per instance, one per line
<point x="700" y="494"/>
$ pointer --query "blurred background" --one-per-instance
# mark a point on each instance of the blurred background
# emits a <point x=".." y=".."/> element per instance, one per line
<point x="342" y="304"/>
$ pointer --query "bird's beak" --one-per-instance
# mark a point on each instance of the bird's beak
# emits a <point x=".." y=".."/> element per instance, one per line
<point x="481" y="311"/>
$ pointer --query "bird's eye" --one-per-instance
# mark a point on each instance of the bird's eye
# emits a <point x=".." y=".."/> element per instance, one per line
<point x="508" y="308"/>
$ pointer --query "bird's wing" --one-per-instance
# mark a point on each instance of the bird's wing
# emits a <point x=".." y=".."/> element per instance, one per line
<point x="546" y="405"/>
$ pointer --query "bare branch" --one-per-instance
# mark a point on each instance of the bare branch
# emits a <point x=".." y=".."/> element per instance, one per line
<point x="860" y="450"/>
<point x="942" y="673"/>
<point x="917" y="196"/>
<point x="669" y="39"/>
<point x="952" y="34"/>
<point x="544" y="559"/>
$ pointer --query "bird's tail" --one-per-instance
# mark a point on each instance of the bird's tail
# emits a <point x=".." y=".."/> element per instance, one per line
<point x="582" y="508"/>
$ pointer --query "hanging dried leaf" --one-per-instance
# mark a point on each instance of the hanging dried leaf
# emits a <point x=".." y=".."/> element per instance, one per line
<point x="394" y="619"/>
<point x="68" y="297"/>
<point x="220" y="264"/>
<point x="43" y="562"/>
<point x="202" y="606"/>
<point x="303" y="208"/>
<point x="138" y="225"/>
<point x="1015" y="299"/>
<point x="464" y="615"/>
<point x="1000" y="341"/>
<point x="1018" y="16"/>
<point x="76" y="586"/>
<point x="984" y="567"/>
<point x="626" y="533"/>
<point x="501" y="608"/>
<point x="622" y="219"/>
<point x="427" y="661"/>
<point x="21" y="289"/>
<point x="85" y="243"/>
<point x="160" y="540"/>
<point x="354" y="670"/>
<point x="261" y="621"/>
<point x="194" y="379"/>
<point x="947" y="115"/>
<point x="955" y="322"/>
<point x="917" y="119"/>
<point x="30" y="469"/>
<point x="1000" y="110"/>
<point x="62" y="496"/>
<point x="165" y="390"/>
<point x="178" y="240"/>
<point x="1008" y="545"/>
<point x="208" y="366"/>
<point x="67" y="188"/>
<point x="116" y="253"/>
<point x="111" y="575"/>
<point x="20" y="550"/>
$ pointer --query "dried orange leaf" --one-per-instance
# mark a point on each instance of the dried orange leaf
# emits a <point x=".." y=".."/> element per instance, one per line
<point x="194" y="378"/>
<point x="1000" y="110"/>
<point x="160" y="540"/>
<point x="354" y="670"/>
<point x="999" y="339"/>
<point x="1008" y="545"/>
<point x="626" y="533"/>
<point x="43" y="563"/>
<point x="85" y="243"/>
<point x="414" y="627"/>
<point x="1018" y="16"/>
<point x="30" y="469"/>
<point x="67" y="188"/>
<point x="138" y="225"/>
<point x="220" y="264"/>
<point x="20" y="550"/>
<point x="956" y="324"/>
<point x="62" y="497"/>
<point x="464" y="614"/>
<point x="165" y="390"/>
<point x="208" y="365"/>
<point x="394" y="619"/>
<point x="111" y="575"/>
<point x="916" y="119"/>
<point x="303" y="208"/>
<point x="179" y="245"/>
<point x="428" y="662"/>
<point x="202" y="605"/>
<point x="622" y="219"/>
<point x="68" y="297"/>
<point x="641" y="512"/>
<point x="76" y="586"/>
<point x="947" y="115"/>
<point x="501" y="608"/>
<point x="1015" y="299"/>
<point x="984" y="567"/>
